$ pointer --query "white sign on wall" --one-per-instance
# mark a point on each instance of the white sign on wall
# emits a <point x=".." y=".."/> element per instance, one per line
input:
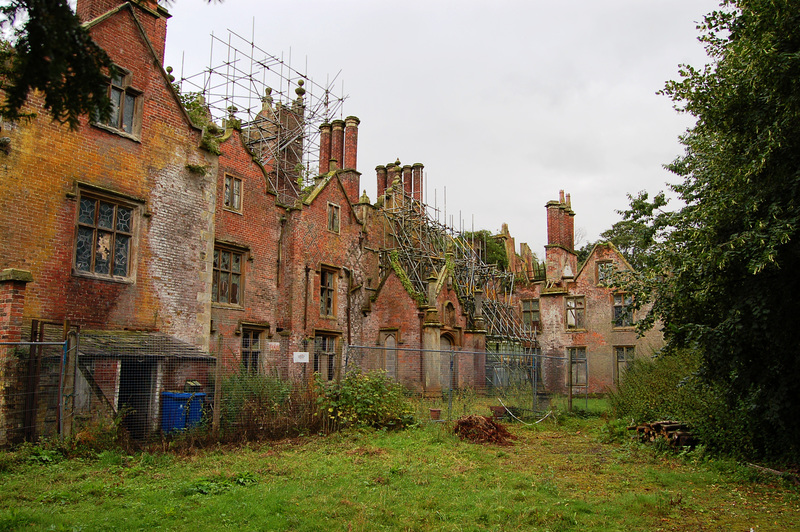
<point x="301" y="357"/>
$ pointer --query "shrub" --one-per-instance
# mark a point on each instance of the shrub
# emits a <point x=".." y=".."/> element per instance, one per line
<point x="251" y="403"/>
<point x="667" y="388"/>
<point x="364" y="400"/>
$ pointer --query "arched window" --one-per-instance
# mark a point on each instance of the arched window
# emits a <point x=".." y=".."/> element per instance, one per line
<point x="450" y="315"/>
<point x="390" y="356"/>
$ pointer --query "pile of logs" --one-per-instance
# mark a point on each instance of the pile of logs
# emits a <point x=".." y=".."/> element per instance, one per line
<point x="677" y="434"/>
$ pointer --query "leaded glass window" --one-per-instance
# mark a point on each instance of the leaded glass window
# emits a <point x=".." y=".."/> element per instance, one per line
<point x="226" y="284"/>
<point x="103" y="242"/>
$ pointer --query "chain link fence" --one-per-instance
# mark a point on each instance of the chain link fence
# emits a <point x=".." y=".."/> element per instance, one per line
<point x="149" y="385"/>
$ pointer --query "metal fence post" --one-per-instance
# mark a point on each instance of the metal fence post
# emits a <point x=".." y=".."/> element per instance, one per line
<point x="450" y="388"/>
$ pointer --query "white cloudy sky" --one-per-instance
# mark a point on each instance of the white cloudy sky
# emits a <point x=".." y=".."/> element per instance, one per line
<point x="504" y="102"/>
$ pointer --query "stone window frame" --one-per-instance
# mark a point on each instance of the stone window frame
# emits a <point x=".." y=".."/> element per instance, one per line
<point x="388" y="356"/>
<point x="327" y="348"/>
<point x="128" y="125"/>
<point x="623" y="362"/>
<point x="252" y="358"/>
<point x="604" y="271"/>
<point x="529" y="312"/>
<point x="328" y="290"/>
<point x="622" y="308"/>
<point x="575" y="308"/>
<point x="218" y="270"/>
<point x="232" y="196"/>
<point x="577" y="359"/>
<point x="117" y="200"/>
<point x="334" y="217"/>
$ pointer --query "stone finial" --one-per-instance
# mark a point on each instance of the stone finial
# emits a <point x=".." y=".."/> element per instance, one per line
<point x="300" y="91"/>
<point x="266" y="101"/>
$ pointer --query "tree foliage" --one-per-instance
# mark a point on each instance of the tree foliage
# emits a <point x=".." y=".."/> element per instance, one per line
<point x="635" y="235"/>
<point x="724" y="268"/>
<point x="493" y="249"/>
<point x="52" y="53"/>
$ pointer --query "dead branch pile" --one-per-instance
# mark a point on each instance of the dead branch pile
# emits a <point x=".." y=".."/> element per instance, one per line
<point x="676" y="434"/>
<point x="481" y="429"/>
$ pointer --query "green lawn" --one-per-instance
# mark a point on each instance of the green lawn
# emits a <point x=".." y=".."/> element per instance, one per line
<point x="556" y="476"/>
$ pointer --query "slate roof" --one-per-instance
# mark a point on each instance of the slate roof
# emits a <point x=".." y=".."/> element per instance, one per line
<point x="117" y="344"/>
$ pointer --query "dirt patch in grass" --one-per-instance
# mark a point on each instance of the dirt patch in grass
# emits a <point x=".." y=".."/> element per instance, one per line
<point x="481" y="429"/>
<point x="365" y="451"/>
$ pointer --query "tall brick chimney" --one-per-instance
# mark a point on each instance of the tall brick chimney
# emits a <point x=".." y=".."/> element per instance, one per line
<point x="393" y="173"/>
<point x="324" y="148"/>
<point x="350" y="142"/>
<point x="560" y="223"/>
<point x="380" y="171"/>
<point x="416" y="176"/>
<point x="152" y="16"/>
<point x="337" y="143"/>
<point x="407" y="180"/>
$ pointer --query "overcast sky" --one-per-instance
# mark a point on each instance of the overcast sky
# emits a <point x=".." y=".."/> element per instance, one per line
<point x="504" y="102"/>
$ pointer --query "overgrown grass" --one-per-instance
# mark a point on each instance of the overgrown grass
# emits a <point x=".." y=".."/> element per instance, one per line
<point x="557" y="476"/>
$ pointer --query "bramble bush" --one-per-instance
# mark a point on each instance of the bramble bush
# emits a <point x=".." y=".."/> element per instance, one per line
<point x="364" y="400"/>
<point x="668" y="388"/>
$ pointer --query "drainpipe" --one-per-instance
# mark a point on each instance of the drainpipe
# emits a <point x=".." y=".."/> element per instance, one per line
<point x="280" y="251"/>
<point x="305" y="304"/>
<point x="347" y="311"/>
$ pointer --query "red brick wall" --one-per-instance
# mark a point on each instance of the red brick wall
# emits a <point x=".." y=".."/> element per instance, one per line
<point x="255" y="227"/>
<point x="168" y="291"/>
<point x="395" y="308"/>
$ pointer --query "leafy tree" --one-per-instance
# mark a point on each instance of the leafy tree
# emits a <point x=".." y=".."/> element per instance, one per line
<point x="635" y="235"/>
<point x="725" y="267"/>
<point x="494" y="252"/>
<point x="53" y="53"/>
<point x="582" y="253"/>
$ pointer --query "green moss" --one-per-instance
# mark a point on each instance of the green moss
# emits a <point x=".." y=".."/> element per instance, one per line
<point x="394" y="260"/>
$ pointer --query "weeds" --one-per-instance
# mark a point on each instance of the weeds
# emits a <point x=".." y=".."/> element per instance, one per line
<point x="364" y="400"/>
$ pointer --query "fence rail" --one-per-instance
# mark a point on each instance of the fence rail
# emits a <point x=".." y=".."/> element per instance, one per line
<point x="154" y="386"/>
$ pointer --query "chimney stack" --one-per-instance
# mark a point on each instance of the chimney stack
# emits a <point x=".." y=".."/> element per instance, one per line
<point x="351" y="142"/>
<point x="407" y="180"/>
<point x="324" y="148"/>
<point x="380" y="170"/>
<point x="416" y="176"/>
<point x="337" y="143"/>
<point x="560" y="223"/>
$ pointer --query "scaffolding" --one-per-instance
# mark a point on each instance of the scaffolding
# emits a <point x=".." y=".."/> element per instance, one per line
<point x="423" y="248"/>
<point x="279" y="108"/>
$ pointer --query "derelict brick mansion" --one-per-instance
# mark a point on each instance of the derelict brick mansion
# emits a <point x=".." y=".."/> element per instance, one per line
<point x="173" y="255"/>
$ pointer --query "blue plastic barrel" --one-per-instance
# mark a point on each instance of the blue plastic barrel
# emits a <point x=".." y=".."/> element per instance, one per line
<point x="180" y="410"/>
